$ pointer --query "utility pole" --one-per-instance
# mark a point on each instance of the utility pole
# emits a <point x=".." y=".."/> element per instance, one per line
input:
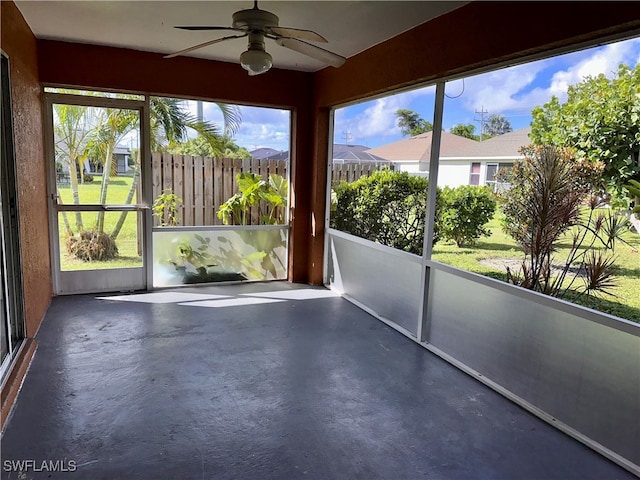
<point x="482" y="113"/>
<point x="200" y="111"/>
<point x="347" y="137"/>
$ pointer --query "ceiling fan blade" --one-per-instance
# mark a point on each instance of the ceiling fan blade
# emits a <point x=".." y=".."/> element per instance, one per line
<point x="313" y="51"/>
<point x="190" y="27"/>
<point x="202" y="45"/>
<point x="297" y="33"/>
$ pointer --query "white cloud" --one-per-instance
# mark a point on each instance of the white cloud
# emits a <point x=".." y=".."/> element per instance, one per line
<point x="260" y="127"/>
<point x="510" y="90"/>
<point x="375" y="118"/>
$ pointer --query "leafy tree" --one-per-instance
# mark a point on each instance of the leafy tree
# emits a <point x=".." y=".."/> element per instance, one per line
<point x="200" y="146"/>
<point x="496" y="125"/>
<point x="411" y="123"/>
<point x="601" y="121"/>
<point x="465" y="130"/>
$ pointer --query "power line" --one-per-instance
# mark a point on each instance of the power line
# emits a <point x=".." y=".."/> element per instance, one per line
<point x="347" y="137"/>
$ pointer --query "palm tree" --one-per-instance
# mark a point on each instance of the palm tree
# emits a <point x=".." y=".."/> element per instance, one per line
<point x="170" y="124"/>
<point x="84" y="133"/>
<point x="73" y="125"/>
<point x="496" y="125"/>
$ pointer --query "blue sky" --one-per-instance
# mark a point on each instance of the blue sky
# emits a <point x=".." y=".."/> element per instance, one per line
<point x="512" y="92"/>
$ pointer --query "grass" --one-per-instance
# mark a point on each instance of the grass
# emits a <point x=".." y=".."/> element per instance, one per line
<point x="490" y="255"/>
<point x="127" y="240"/>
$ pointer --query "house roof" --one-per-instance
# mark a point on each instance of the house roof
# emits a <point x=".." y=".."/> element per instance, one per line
<point x="276" y="156"/>
<point x="354" y="153"/>
<point x="506" y="145"/>
<point x="263" y="152"/>
<point x="418" y="148"/>
<point x="452" y="147"/>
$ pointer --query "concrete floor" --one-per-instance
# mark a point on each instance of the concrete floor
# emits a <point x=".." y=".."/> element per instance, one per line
<point x="264" y="381"/>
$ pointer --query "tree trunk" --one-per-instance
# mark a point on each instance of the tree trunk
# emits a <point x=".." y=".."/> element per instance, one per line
<point x="123" y="215"/>
<point x="73" y="178"/>
<point x="108" y="161"/>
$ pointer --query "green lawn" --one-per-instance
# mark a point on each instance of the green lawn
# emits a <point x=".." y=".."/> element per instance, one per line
<point x="491" y="254"/>
<point x="127" y="240"/>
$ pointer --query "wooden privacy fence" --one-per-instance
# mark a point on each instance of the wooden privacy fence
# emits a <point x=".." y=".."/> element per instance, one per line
<point x="205" y="183"/>
<point x="350" y="172"/>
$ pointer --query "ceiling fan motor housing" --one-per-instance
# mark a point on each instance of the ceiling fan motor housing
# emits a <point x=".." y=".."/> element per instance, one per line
<point x="254" y="19"/>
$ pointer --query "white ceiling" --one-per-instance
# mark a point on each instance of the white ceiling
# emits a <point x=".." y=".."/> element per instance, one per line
<point x="350" y="26"/>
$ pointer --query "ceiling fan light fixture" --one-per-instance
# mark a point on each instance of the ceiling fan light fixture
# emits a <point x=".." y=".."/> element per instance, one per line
<point x="256" y="61"/>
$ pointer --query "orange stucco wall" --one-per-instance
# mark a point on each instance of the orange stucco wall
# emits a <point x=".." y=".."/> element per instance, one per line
<point x="21" y="46"/>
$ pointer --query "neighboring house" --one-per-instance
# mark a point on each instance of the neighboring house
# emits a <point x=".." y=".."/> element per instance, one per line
<point x="462" y="161"/>
<point x="122" y="157"/>
<point x="478" y="163"/>
<point x="412" y="154"/>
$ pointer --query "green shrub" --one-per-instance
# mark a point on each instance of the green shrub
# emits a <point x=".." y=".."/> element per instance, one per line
<point x="87" y="178"/>
<point x="464" y="213"/>
<point x="387" y="207"/>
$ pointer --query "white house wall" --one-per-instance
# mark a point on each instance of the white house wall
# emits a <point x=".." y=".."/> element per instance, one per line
<point x="454" y="174"/>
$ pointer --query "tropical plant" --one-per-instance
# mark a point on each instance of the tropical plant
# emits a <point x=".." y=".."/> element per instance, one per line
<point x="72" y="127"/>
<point x="411" y="123"/>
<point x="200" y="146"/>
<point x="268" y="198"/>
<point x="170" y="123"/>
<point x="545" y="203"/>
<point x="165" y="208"/>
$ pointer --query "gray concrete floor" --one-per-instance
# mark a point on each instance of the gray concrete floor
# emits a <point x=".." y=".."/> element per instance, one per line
<point x="264" y="381"/>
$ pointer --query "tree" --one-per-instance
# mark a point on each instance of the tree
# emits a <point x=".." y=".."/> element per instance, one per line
<point x="601" y="121"/>
<point x="170" y="123"/>
<point x="464" y="130"/>
<point x="72" y="127"/>
<point x="496" y="125"/>
<point x="199" y="146"/>
<point x="544" y="206"/>
<point x="411" y="123"/>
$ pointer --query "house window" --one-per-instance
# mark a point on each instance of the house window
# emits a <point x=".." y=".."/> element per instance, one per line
<point x="492" y="171"/>
<point x="474" y="176"/>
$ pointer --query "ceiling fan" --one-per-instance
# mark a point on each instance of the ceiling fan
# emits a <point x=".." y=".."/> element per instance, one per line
<point x="259" y="24"/>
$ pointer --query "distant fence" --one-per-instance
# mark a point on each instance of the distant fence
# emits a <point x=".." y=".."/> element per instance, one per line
<point x="205" y="183"/>
<point x="350" y="172"/>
